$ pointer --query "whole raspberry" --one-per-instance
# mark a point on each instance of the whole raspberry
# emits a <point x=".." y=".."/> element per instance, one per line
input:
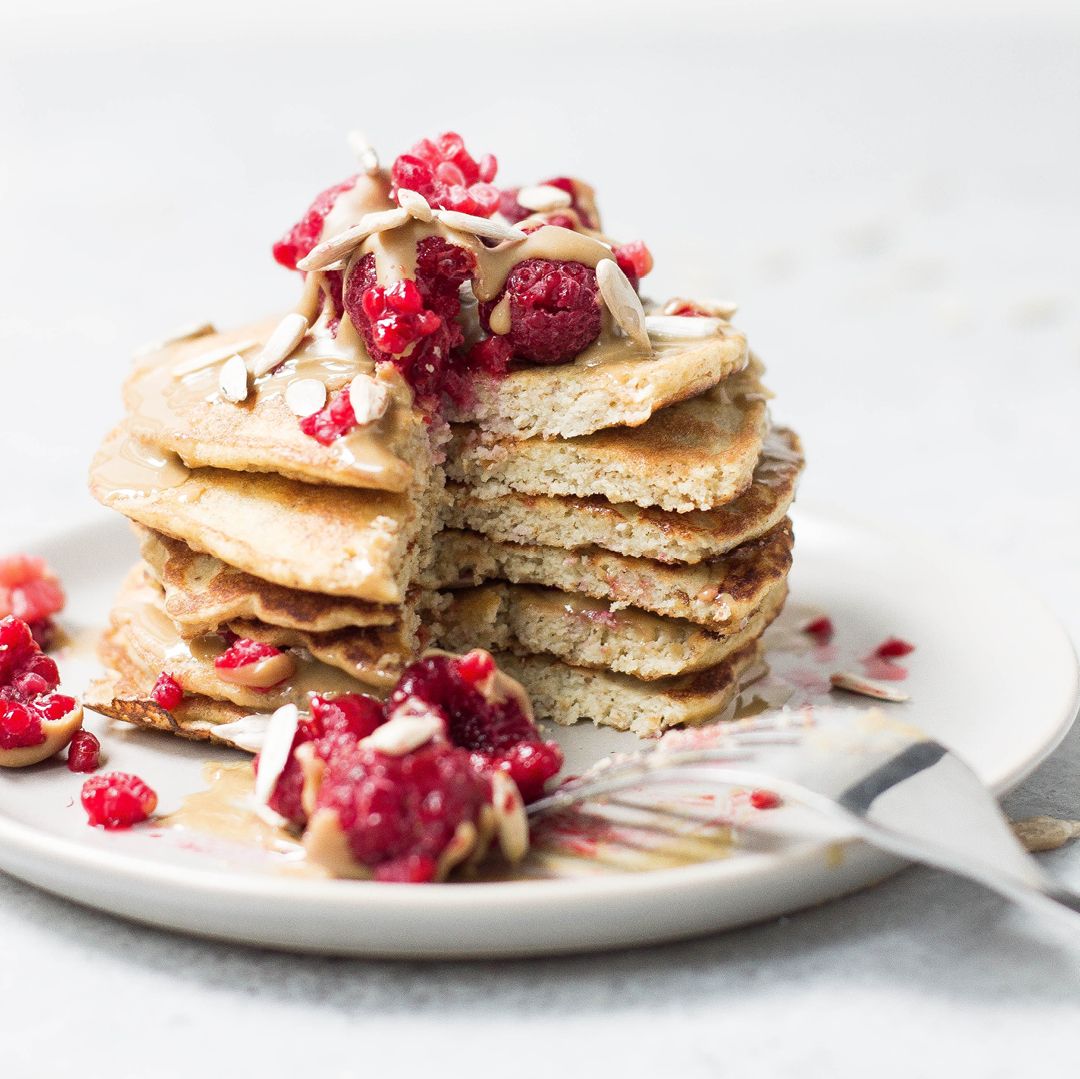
<point x="304" y="235"/>
<point x="117" y="800"/>
<point x="554" y="310"/>
<point x="167" y="692"/>
<point x="448" y="176"/>
<point x="30" y="591"/>
<point x="355" y="714"/>
<point x="634" y="259"/>
<point x="84" y="752"/>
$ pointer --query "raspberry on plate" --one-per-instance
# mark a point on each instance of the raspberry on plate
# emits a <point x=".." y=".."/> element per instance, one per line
<point x="117" y="800"/>
<point x="31" y="591"/>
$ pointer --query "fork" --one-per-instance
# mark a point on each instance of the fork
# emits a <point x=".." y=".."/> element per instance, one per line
<point x="884" y="781"/>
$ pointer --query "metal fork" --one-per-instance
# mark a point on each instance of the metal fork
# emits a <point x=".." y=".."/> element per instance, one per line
<point x="883" y="781"/>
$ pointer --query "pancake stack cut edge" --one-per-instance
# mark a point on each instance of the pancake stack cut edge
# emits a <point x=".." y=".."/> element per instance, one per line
<point x="619" y="541"/>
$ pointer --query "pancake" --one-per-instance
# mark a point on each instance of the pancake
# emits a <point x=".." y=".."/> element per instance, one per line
<point x="716" y="594"/>
<point x="202" y="594"/>
<point x="583" y="631"/>
<point x="573" y="399"/>
<point x="186" y="415"/>
<point x="573" y="523"/>
<point x="697" y="454"/>
<point x="337" y="540"/>
<point x="149" y="642"/>
<point x="567" y="695"/>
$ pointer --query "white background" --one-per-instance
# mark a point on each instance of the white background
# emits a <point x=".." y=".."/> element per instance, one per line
<point x="892" y="191"/>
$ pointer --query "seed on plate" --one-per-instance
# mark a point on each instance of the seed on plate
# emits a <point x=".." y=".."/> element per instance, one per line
<point x="233" y="380"/>
<point x="1045" y="833"/>
<point x="364" y="152"/>
<point x="305" y="396"/>
<point x="622" y="301"/>
<point x="288" y="333"/>
<point x="329" y="251"/>
<point x="543" y="197"/>
<point x="855" y="683"/>
<point x="369" y="398"/>
<point x="479" y="226"/>
<point x="414" y="204"/>
<point x="212" y="358"/>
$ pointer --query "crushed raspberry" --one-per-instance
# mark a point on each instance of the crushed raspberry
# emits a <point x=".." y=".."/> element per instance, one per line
<point x="893" y="648"/>
<point x="167" y="692"/>
<point x="335" y="421"/>
<point x="400" y="813"/>
<point x="304" y="235"/>
<point x="244" y="651"/>
<point x="448" y="176"/>
<point x="555" y="310"/>
<point x="821" y="629"/>
<point x="30" y="591"/>
<point x="475" y="666"/>
<point x="634" y="259"/>
<point x="84" y="752"/>
<point x="686" y="309"/>
<point x="422" y="348"/>
<point x="27" y="683"/>
<point x="117" y="800"/>
<point x="764" y="799"/>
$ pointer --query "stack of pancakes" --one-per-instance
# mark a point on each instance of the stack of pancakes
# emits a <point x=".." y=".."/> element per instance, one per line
<point x="624" y="575"/>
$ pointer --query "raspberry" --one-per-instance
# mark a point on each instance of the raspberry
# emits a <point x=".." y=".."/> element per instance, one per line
<point x="117" y="800"/>
<point x="475" y="666"/>
<point x="304" y="235"/>
<point x="84" y="752"/>
<point x="352" y="713"/>
<point x="554" y="310"/>
<point x="30" y="591"/>
<point x="447" y="175"/>
<point x="167" y="692"/>
<point x="513" y="211"/>
<point x="893" y="648"/>
<point x="763" y="799"/>
<point x="27" y="682"/>
<point x="335" y="421"/>
<point x="244" y="651"/>
<point x="634" y="259"/>
<point x="397" y="317"/>
<point x="821" y="629"/>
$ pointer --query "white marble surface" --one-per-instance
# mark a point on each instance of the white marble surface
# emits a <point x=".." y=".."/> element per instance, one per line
<point x="891" y="192"/>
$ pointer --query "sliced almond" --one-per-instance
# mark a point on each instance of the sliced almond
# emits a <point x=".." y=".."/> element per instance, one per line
<point x="233" y="380"/>
<point x="543" y="197"/>
<point x="511" y="822"/>
<point x="329" y="251"/>
<point x="369" y="397"/>
<point x="365" y="152"/>
<point x="479" y="226"/>
<point x="212" y="357"/>
<point x="305" y="396"/>
<point x="411" y="725"/>
<point x="622" y="301"/>
<point x="275" y="750"/>
<point x="681" y="327"/>
<point x="855" y="683"/>
<point x="413" y="203"/>
<point x="288" y="333"/>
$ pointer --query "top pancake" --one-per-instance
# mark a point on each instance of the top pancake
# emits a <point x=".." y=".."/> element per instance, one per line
<point x="694" y="455"/>
<point x="185" y="413"/>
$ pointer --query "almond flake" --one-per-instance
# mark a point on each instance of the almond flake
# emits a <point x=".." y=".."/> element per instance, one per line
<point x="213" y="357"/>
<point x="414" y="204"/>
<point x="622" y="301"/>
<point x="365" y="152"/>
<point x="305" y="396"/>
<point x="329" y="251"/>
<point x="681" y="327"/>
<point x="479" y="226"/>
<point x="369" y="398"/>
<point x="276" y="748"/>
<point x="288" y="333"/>
<point x="855" y="683"/>
<point x="543" y="197"/>
<point x="233" y="380"/>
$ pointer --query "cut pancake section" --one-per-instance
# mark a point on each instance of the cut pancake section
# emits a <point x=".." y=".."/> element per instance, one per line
<point x="717" y="594"/>
<point x="571" y="523"/>
<point x="574" y="399"/>
<point x="695" y="455"/>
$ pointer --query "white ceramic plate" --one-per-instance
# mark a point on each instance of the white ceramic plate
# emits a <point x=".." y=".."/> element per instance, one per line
<point x="994" y="677"/>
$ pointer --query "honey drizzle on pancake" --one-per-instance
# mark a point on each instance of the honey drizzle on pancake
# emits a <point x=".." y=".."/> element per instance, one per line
<point x="133" y="470"/>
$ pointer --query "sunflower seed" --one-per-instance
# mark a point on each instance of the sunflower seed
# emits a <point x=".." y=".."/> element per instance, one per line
<point x="369" y="398"/>
<point x="212" y="358"/>
<point x="414" y="204"/>
<point x="543" y="197"/>
<point x="233" y="380"/>
<point x="364" y="151"/>
<point x="622" y="301"/>
<point x="513" y="825"/>
<point x="305" y="396"/>
<point x="411" y="725"/>
<point x="855" y="683"/>
<point x="676" y="327"/>
<point x="724" y="309"/>
<point x="479" y="226"/>
<point x="283" y="341"/>
<point x="329" y="251"/>
<point x="181" y="333"/>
